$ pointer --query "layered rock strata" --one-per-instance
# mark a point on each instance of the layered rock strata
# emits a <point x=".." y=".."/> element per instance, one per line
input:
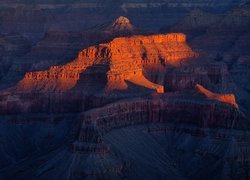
<point x="112" y="64"/>
<point x="215" y="112"/>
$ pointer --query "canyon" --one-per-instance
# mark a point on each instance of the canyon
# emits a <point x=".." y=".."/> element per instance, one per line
<point x="96" y="90"/>
<point x="125" y="67"/>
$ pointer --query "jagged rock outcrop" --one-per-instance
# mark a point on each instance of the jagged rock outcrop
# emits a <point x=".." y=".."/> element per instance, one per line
<point x="116" y="62"/>
<point x="227" y="98"/>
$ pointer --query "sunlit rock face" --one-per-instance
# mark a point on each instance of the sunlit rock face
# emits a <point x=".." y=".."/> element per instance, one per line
<point x="227" y="98"/>
<point x="120" y="60"/>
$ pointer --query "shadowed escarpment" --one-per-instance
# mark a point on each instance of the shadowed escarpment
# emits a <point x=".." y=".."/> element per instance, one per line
<point x="172" y="108"/>
<point x="169" y="108"/>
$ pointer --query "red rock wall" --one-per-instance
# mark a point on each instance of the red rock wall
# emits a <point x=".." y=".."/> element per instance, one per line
<point x="125" y="57"/>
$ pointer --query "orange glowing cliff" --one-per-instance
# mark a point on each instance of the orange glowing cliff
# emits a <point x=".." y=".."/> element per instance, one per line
<point x="112" y="65"/>
<point x="226" y="98"/>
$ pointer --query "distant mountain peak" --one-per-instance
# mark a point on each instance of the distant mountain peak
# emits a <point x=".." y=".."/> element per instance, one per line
<point x="122" y="20"/>
<point x="122" y="24"/>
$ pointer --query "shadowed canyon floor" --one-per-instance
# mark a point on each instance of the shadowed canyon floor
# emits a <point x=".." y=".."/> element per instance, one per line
<point x="148" y="151"/>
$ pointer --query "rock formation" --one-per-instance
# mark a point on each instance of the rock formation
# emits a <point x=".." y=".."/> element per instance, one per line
<point x="129" y="106"/>
<point x="122" y="25"/>
<point x="219" y="112"/>
<point x="120" y="60"/>
<point x="227" y="98"/>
